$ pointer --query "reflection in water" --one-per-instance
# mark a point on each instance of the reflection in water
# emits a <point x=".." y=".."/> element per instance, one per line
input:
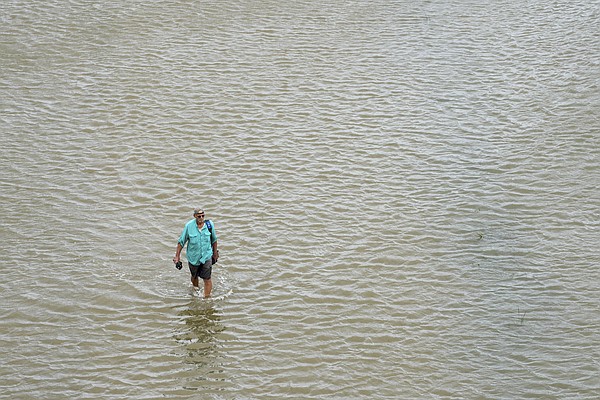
<point x="203" y="323"/>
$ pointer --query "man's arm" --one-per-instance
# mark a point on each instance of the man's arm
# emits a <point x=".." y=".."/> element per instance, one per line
<point x="215" y="251"/>
<point x="177" y="257"/>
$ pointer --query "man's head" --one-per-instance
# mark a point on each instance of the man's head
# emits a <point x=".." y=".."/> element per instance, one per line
<point x="199" y="213"/>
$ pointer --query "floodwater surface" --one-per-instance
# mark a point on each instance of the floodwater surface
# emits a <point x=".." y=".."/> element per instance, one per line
<point x="406" y="196"/>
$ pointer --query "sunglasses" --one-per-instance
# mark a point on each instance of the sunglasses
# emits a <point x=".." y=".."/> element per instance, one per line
<point x="199" y="215"/>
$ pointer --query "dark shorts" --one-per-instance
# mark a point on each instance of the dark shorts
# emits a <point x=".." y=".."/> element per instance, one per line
<point x="203" y="271"/>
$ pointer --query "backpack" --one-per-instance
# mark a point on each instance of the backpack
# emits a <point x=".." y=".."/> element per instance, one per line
<point x="209" y="225"/>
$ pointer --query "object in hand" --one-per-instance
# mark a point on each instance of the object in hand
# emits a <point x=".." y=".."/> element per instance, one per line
<point x="179" y="265"/>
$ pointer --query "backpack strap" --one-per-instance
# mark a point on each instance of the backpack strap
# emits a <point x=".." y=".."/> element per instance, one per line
<point x="209" y="225"/>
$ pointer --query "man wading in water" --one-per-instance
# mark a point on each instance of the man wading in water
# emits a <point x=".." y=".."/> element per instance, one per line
<point x="201" y="252"/>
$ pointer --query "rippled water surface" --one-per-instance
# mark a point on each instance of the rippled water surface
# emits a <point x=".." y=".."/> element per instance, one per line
<point x="406" y="196"/>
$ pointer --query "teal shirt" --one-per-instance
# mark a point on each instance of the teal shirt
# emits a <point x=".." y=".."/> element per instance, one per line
<point x="199" y="242"/>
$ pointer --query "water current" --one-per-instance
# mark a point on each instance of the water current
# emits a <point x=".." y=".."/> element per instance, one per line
<point x="406" y="195"/>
